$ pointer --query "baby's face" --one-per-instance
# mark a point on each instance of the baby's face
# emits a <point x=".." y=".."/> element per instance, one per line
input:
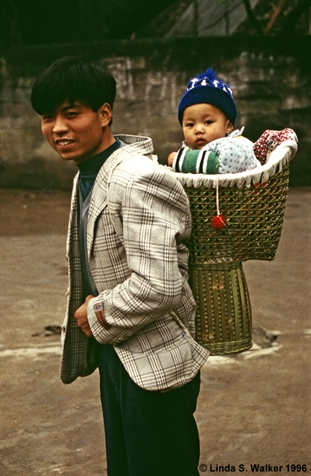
<point x="203" y="123"/>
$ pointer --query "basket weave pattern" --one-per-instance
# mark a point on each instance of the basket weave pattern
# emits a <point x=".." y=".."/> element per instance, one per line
<point x="223" y="318"/>
<point x="254" y="215"/>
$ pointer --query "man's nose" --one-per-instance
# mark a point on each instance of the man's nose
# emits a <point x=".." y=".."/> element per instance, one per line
<point x="60" y="125"/>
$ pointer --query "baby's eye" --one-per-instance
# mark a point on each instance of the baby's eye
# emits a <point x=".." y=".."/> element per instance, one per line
<point x="208" y="122"/>
<point x="189" y="124"/>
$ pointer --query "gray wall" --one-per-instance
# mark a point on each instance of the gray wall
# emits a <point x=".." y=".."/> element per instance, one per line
<point x="270" y="78"/>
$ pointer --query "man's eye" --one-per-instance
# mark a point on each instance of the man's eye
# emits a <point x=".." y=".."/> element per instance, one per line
<point x="71" y="114"/>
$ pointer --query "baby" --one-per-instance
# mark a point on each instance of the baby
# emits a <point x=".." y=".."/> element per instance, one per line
<point x="207" y="113"/>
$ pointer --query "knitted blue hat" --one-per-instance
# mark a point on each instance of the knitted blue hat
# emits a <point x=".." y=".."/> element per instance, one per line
<point x="207" y="88"/>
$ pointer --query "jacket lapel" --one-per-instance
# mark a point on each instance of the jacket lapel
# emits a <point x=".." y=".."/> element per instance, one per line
<point x="72" y="237"/>
<point x="99" y="200"/>
<point x="98" y="203"/>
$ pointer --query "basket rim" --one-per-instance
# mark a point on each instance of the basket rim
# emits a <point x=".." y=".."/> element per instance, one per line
<point x="278" y="159"/>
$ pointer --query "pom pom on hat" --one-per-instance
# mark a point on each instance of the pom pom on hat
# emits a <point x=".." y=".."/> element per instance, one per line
<point x="207" y="88"/>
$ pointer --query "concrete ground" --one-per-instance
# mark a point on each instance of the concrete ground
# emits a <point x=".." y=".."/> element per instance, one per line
<point x="254" y="407"/>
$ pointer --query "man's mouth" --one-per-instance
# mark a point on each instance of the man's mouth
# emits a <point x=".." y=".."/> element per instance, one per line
<point x="63" y="142"/>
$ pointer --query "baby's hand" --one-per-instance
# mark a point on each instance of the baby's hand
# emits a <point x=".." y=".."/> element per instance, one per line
<point x="171" y="158"/>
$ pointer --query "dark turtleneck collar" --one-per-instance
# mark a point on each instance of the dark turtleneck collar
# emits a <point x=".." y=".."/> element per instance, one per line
<point x="89" y="168"/>
<point x="92" y="165"/>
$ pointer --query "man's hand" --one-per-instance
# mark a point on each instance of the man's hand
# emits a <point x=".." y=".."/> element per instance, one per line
<point x="81" y="316"/>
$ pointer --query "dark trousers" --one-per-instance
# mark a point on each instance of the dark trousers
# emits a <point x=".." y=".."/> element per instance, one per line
<point x="147" y="433"/>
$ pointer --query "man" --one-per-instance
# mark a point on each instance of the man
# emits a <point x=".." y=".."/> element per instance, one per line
<point x="129" y="302"/>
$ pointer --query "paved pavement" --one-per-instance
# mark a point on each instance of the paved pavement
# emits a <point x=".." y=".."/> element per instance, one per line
<point x="254" y="407"/>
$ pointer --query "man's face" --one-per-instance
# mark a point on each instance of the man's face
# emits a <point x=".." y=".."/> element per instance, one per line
<point x="203" y="123"/>
<point x="75" y="131"/>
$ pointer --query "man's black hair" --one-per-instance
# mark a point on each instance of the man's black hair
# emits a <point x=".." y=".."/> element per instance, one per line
<point x="69" y="79"/>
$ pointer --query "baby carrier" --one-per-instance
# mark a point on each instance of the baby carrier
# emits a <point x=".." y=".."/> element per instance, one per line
<point x="249" y="207"/>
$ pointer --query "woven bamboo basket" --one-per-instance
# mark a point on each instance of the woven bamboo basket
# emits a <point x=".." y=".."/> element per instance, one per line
<point x="253" y="203"/>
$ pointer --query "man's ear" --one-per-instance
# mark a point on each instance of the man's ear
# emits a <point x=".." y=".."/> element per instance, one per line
<point x="105" y="114"/>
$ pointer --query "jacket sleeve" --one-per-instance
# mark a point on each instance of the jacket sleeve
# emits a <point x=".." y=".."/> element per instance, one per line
<point x="221" y="156"/>
<point x="153" y="210"/>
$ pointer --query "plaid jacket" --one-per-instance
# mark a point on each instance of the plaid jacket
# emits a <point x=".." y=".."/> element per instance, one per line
<point x="138" y="222"/>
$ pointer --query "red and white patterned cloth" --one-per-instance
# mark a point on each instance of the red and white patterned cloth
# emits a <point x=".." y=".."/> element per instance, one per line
<point x="269" y="140"/>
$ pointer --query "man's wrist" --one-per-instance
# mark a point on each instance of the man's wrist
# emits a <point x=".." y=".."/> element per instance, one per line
<point x="98" y="310"/>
